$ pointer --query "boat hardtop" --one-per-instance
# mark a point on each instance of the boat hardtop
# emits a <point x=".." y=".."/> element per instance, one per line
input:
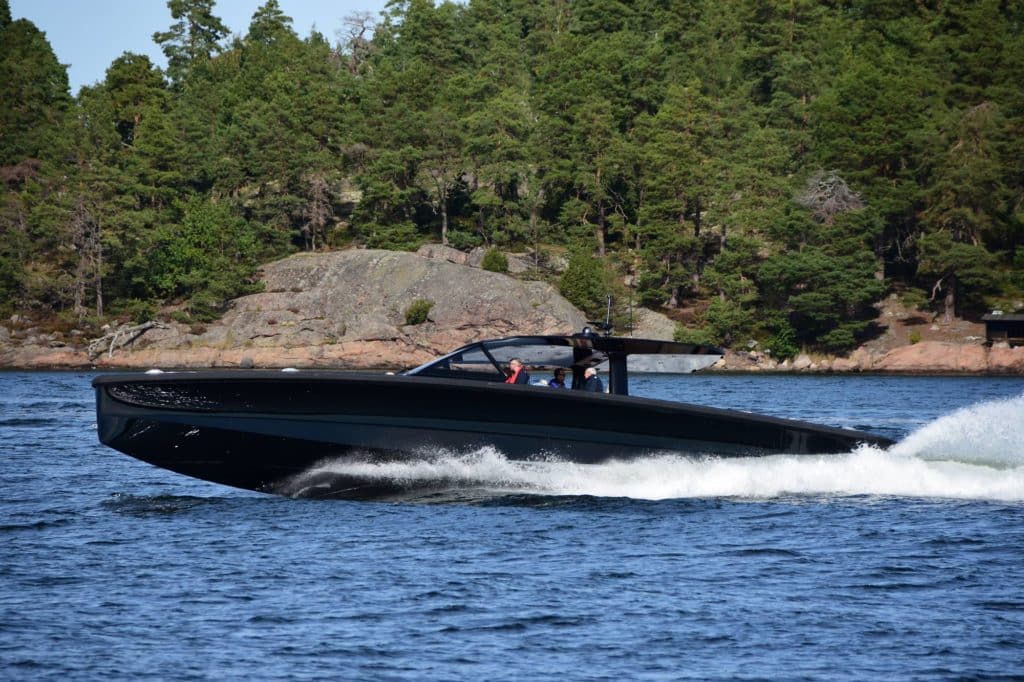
<point x="487" y="360"/>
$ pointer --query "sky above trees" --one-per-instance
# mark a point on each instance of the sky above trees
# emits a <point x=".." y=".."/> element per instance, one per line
<point x="88" y="35"/>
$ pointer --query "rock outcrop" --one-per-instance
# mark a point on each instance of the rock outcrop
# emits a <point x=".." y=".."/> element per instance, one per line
<point x="648" y="324"/>
<point x="926" y="357"/>
<point x="935" y="356"/>
<point x="474" y="258"/>
<point x="343" y="309"/>
<point x="1003" y="359"/>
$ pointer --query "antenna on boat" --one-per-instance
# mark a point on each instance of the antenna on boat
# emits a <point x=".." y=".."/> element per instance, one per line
<point x="606" y="326"/>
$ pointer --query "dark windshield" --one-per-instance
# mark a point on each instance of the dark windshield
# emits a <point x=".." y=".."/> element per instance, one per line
<point x="486" y="360"/>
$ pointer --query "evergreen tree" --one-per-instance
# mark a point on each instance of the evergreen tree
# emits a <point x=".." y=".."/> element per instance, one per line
<point x="193" y="39"/>
<point x="732" y="277"/>
<point x="134" y="87"/>
<point x="675" y="165"/>
<point x="269" y="25"/>
<point x="206" y="256"/>
<point x="956" y="269"/>
<point x="585" y="285"/>
<point x="826" y="282"/>
<point x="34" y="93"/>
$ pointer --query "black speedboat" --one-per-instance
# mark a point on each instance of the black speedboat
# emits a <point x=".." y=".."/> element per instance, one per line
<point x="265" y="430"/>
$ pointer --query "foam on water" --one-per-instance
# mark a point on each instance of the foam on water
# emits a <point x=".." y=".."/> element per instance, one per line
<point x="989" y="433"/>
<point x="973" y="453"/>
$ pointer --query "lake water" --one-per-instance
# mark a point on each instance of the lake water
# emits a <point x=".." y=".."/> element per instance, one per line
<point x="906" y="563"/>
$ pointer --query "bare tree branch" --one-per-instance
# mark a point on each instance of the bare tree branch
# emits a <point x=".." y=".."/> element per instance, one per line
<point x="355" y="38"/>
<point x="120" y="337"/>
<point x="827" y="195"/>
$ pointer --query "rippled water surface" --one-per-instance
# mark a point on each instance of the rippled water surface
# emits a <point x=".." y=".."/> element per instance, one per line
<point x="905" y="563"/>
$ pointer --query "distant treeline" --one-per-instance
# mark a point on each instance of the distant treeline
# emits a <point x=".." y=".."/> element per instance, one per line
<point x="772" y="167"/>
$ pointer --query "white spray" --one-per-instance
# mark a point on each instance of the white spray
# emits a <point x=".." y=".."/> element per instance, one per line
<point x="974" y="453"/>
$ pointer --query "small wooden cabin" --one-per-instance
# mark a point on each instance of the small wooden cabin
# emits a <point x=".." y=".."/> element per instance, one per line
<point x="1004" y="328"/>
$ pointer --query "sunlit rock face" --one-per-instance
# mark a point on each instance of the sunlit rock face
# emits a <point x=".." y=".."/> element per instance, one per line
<point x="347" y="309"/>
<point x="935" y="356"/>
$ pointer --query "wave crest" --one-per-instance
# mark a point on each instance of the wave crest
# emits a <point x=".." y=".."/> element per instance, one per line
<point x="989" y="433"/>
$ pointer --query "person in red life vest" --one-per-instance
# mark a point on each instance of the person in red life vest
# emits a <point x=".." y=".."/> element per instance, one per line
<point x="516" y="373"/>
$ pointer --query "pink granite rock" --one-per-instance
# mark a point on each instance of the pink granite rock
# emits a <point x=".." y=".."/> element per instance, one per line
<point x="934" y="356"/>
<point x="1005" y="360"/>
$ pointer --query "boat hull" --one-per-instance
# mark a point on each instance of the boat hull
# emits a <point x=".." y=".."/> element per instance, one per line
<point x="269" y="431"/>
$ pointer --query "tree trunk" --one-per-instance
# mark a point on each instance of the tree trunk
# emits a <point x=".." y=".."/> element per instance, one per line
<point x="80" y="272"/>
<point x="80" y="240"/>
<point x="535" y="231"/>
<point x="950" y="302"/>
<point x="673" y="296"/>
<point x="99" y="274"/>
<point x="444" y="221"/>
<point x="480" y="226"/>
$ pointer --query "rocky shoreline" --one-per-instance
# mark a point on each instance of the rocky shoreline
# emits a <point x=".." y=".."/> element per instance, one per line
<point x="925" y="357"/>
<point x="389" y="354"/>
<point x="346" y="310"/>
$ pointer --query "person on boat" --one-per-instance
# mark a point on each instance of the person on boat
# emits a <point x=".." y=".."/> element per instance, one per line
<point x="592" y="382"/>
<point x="517" y="373"/>
<point x="558" y="380"/>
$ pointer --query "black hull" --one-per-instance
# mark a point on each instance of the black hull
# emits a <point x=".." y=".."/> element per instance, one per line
<point x="268" y="431"/>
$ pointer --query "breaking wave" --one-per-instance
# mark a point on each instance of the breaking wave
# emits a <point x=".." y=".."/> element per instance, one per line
<point x="974" y="453"/>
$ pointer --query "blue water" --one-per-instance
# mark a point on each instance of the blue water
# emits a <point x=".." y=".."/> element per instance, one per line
<point x="898" y="564"/>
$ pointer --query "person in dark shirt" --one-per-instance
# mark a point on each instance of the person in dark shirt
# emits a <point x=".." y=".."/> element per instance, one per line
<point x="517" y="373"/>
<point x="558" y="380"/>
<point x="592" y="382"/>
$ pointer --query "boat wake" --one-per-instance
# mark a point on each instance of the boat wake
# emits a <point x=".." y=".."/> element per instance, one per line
<point x="974" y="453"/>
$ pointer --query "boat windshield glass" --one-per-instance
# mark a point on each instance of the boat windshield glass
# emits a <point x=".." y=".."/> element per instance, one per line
<point x="487" y="360"/>
<point x="534" y="356"/>
<point x="471" y="360"/>
<point x="467" y="363"/>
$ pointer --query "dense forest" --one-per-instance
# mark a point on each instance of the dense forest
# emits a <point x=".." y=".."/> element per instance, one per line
<point x="762" y="169"/>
